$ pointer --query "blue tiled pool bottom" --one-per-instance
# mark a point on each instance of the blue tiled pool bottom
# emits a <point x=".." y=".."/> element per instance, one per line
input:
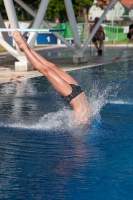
<point x="44" y="157"/>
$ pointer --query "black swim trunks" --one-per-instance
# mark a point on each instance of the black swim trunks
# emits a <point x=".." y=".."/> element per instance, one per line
<point x="76" y="90"/>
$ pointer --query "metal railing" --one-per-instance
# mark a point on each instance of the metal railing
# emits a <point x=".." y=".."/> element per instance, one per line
<point x="111" y="32"/>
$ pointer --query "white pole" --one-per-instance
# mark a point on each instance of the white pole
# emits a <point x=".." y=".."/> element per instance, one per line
<point x="10" y="49"/>
<point x="5" y="35"/>
<point x="38" y="21"/>
<point x="11" y="13"/>
<point x="112" y="19"/>
<point x="12" y="17"/>
<point x="32" y="13"/>
<point x="97" y="25"/>
<point x="73" y="24"/>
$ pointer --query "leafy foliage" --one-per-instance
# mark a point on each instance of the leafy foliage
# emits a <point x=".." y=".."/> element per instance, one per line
<point x="79" y="4"/>
<point x="56" y="8"/>
<point x="2" y="9"/>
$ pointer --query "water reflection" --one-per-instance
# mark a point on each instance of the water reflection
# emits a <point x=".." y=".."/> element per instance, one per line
<point x="13" y="100"/>
<point x="43" y="169"/>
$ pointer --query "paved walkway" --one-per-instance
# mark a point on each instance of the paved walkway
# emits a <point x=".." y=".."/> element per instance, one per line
<point x="62" y="56"/>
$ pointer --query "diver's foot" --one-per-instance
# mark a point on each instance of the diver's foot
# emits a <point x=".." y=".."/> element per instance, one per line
<point x="24" y="40"/>
<point x="19" y="40"/>
<point x="18" y="33"/>
<point x="17" y="37"/>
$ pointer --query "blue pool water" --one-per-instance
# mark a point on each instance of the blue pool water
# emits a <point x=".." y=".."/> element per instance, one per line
<point x="42" y="156"/>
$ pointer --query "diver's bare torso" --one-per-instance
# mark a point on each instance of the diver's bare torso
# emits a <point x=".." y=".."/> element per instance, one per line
<point x="82" y="109"/>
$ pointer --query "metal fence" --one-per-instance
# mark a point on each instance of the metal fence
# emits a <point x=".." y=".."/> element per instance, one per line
<point x="111" y="32"/>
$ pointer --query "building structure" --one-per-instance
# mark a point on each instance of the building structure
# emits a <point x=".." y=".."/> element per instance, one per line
<point x="119" y="10"/>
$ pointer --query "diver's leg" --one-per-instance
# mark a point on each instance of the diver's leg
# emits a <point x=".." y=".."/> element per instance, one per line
<point x="59" y="71"/>
<point x="59" y="84"/>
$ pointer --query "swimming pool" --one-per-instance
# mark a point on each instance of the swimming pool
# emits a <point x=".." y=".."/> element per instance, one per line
<point x="44" y="157"/>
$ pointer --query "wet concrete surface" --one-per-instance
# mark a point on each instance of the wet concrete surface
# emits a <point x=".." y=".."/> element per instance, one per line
<point x="62" y="56"/>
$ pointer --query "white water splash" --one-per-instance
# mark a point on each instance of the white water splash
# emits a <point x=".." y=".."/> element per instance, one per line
<point x="55" y="120"/>
<point x="98" y="98"/>
<point x="64" y="119"/>
<point x="121" y="102"/>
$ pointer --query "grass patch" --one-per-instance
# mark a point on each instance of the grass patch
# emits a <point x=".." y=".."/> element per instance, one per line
<point x="2" y="49"/>
<point x="115" y="43"/>
<point x="37" y="47"/>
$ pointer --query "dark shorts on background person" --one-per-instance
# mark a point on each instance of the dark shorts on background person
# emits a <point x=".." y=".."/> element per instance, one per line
<point x="96" y="37"/>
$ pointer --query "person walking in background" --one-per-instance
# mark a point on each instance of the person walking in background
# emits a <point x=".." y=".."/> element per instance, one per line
<point x="98" y="37"/>
<point x="57" y="21"/>
<point x="66" y="85"/>
<point x="130" y="33"/>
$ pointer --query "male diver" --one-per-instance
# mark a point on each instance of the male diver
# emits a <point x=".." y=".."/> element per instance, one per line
<point x="66" y="85"/>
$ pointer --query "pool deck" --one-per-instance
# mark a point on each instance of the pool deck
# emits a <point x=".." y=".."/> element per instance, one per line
<point x="62" y="56"/>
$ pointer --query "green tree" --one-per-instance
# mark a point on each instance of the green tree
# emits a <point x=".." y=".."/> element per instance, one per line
<point x="83" y="5"/>
<point x="57" y="8"/>
<point x="2" y="10"/>
<point x="22" y="14"/>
